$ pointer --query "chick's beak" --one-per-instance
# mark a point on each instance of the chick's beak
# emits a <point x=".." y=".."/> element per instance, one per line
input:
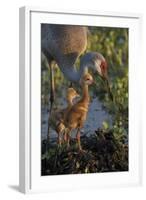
<point x="76" y="98"/>
<point x="77" y="95"/>
<point x="91" y="82"/>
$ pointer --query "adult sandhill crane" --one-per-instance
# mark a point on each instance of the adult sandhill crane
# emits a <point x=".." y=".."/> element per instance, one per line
<point x="64" y="44"/>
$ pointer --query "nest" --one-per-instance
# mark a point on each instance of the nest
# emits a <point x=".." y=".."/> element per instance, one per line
<point x="102" y="153"/>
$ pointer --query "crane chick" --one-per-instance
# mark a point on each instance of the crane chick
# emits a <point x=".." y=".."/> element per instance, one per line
<point x="57" y="117"/>
<point x="76" y="116"/>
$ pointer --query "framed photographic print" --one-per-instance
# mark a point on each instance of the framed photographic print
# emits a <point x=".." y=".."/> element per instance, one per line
<point x="79" y="109"/>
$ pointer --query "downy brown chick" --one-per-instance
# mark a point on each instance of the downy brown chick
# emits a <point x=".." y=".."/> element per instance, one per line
<point x="58" y="116"/>
<point x="76" y="116"/>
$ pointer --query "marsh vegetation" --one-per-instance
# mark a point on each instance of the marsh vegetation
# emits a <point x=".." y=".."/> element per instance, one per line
<point x="105" y="143"/>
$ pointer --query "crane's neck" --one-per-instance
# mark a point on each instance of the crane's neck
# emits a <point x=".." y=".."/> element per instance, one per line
<point x="71" y="72"/>
<point x="85" y="96"/>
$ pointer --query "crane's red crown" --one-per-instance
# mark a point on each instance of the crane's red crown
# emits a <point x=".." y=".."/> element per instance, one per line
<point x="104" y="68"/>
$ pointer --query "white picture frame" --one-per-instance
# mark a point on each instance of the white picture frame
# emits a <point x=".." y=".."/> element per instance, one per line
<point x="30" y="175"/>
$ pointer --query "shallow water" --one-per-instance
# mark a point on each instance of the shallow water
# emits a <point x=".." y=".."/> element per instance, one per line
<point x="96" y="116"/>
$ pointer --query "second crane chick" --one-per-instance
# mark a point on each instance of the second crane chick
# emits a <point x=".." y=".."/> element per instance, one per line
<point x="76" y="116"/>
<point x="57" y="117"/>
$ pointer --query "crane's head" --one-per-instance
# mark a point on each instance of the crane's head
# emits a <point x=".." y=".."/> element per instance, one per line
<point x="98" y="64"/>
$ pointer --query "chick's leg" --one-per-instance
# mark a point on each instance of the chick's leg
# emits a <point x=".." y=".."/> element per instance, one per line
<point x="67" y="132"/>
<point x="65" y="137"/>
<point x="78" y="139"/>
<point x="59" y="140"/>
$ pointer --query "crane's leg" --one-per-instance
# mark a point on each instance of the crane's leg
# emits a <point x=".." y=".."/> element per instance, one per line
<point x="52" y="88"/>
<point x="52" y="97"/>
<point x="78" y="139"/>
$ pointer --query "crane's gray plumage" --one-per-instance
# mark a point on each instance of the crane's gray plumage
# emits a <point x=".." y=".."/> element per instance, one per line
<point x="64" y="44"/>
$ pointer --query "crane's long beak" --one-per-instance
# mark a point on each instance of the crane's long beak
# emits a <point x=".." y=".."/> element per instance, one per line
<point x="106" y="82"/>
<point x="107" y="85"/>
